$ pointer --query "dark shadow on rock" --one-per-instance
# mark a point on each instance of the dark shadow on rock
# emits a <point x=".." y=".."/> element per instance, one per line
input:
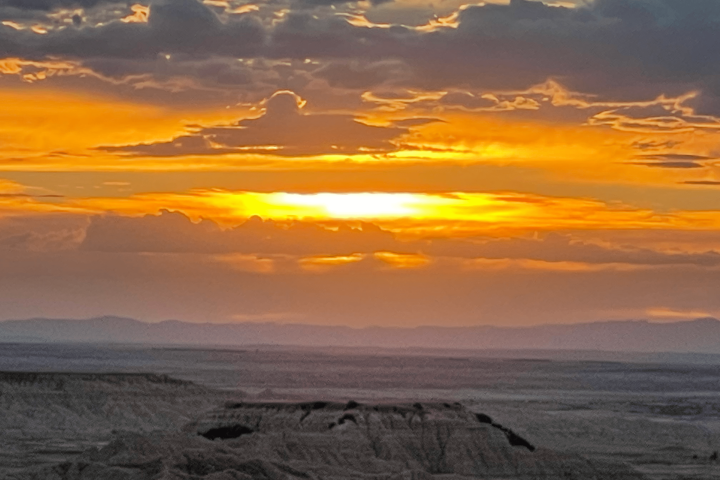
<point x="347" y="417"/>
<point x="514" y="439"/>
<point x="227" y="432"/>
<point x="482" y="418"/>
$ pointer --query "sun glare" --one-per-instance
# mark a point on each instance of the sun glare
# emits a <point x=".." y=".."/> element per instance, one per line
<point x="355" y="205"/>
<point x="446" y="213"/>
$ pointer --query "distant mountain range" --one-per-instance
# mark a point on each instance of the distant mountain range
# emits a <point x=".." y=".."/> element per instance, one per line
<point x="696" y="336"/>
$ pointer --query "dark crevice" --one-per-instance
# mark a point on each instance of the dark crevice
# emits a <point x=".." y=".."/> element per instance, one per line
<point x="482" y="418"/>
<point x="308" y="408"/>
<point x="346" y="417"/>
<point x="228" y="432"/>
<point x="514" y="439"/>
<point x="315" y="405"/>
<point x="518" y="441"/>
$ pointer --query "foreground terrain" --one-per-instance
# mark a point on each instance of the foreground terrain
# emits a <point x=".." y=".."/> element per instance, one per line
<point x="49" y="417"/>
<point x="323" y="440"/>
<point x="249" y="411"/>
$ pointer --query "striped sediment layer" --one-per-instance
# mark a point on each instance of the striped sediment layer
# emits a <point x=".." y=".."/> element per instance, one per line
<point x="331" y="440"/>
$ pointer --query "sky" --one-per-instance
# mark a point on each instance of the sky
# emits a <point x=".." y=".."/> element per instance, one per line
<point x="382" y="162"/>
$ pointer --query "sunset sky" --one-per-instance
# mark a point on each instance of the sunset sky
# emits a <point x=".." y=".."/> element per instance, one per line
<point x="383" y="162"/>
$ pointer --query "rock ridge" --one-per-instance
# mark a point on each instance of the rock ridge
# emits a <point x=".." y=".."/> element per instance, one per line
<point x="331" y="440"/>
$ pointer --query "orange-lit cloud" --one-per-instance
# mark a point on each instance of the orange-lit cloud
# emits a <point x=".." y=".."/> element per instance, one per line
<point x="136" y="136"/>
<point x="18" y="200"/>
<point x="448" y="214"/>
<point x="320" y="246"/>
<point x="53" y="130"/>
<point x="402" y="260"/>
<point x="247" y="263"/>
<point x="140" y="14"/>
<point x="675" y="314"/>
<point x="484" y="264"/>
<point x="560" y="149"/>
<point x="42" y="129"/>
<point x="323" y="262"/>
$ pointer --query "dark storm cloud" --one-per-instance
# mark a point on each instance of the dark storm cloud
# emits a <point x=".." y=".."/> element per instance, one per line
<point x="326" y="3"/>
<point x="624" y="50"/>
<point x="203" y="80"/>
<point x="50" y="5"/>
<point x="38" y="11"/>
<point x="362" y="75"/>
<point x="212" y="71"/>
<point x="282" y="130"/>
<point x="174" y="26"/>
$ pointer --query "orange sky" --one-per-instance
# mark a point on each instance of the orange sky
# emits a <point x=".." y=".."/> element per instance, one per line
<point x="484" y="168"/>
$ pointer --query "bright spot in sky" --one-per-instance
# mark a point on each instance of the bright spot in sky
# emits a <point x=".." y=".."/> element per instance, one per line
<point x="356" y="205"/>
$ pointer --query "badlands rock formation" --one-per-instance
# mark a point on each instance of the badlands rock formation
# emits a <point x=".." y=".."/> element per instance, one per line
<point x="48" y="417"/>
<point x="324" y="440"/>
<point x="69" y="404"/>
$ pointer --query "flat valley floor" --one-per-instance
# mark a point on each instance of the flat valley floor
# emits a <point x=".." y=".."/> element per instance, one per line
<point x="660" y="414"/>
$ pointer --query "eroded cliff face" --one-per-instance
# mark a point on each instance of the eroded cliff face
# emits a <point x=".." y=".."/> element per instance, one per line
<point x="81" y="404"/>
<point x="47" y="417"/>
<point x="323" y="440"/>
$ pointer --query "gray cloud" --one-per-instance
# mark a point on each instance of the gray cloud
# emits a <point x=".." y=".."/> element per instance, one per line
<point x="25" y="195"/>
<point x="174" y="26"/>
<point x="672" y="161"/>
<point x="466" y="101"/>
<point x="50" y="5"/>
<point x="165" y="266"/>
<point x="563" y="248"/>
<point x="326" y="3"/>
<point x="617" y="49"/>
<point x="283" y="130"/>
<point x="174" y="233"/>
<point x="711" y="183"/>
<point x="80" y="284"/>
<point x="362" y="75"/>
<point x="57" y="13"/>
<point x="42" y="233"/>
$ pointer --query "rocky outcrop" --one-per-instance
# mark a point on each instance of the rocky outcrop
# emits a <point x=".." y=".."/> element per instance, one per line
<point x="325" y="440"/>
<point x="42" y="404"/>
<point x="48" y="417"/>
